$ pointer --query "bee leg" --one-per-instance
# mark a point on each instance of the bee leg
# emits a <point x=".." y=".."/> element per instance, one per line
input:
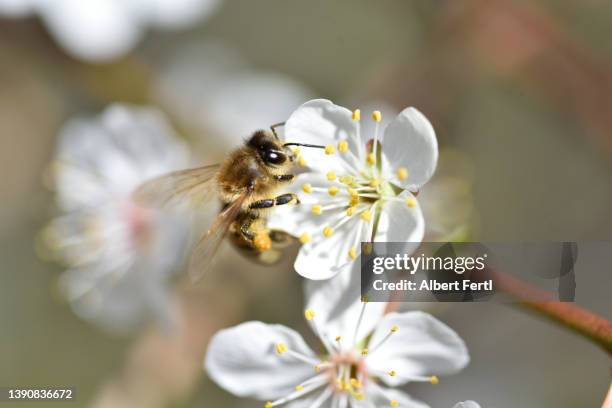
<point x="284" y="177"/>
<point x="261" y="239"/>
<point x="289" y="198"/>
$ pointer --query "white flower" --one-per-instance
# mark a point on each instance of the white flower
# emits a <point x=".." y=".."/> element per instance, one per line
<point x="467" y="404"/>
<point x="120" y="255"/>
<point x="360" y="187"/>
<point x="101" y="30"/>
<point x="210" y="86"/>
<point x="365" y="355"/>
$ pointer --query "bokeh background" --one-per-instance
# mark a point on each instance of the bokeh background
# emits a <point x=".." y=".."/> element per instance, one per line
<point x="520" y="94"/>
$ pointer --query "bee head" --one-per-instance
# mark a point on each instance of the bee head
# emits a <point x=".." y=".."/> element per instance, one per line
<point x="269" y="148"/>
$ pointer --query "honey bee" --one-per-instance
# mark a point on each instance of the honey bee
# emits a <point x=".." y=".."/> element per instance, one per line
<point x="246" y="184"/>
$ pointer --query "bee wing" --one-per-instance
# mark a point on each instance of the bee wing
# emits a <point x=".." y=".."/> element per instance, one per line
<point x="205" y="250"/>
<point x="196" y="186"/>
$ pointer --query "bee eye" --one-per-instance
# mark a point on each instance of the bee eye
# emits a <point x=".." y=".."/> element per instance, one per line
<point x="274" y="157"/>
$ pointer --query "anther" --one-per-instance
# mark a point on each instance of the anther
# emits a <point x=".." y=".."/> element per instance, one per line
<point x="268" y="405"/>
<point x="355" y="383"/>
<point x="307" y="188"/>
<point x="299" y="388"/>
<point x="331" y="176"/>
<point x="316" y="209"/>
<point x="346" y="180"/>
<point x="309" y="314"/>
<point x="377" y="116"/>
<point x="392" y="373"/>
<point x="328" y="231"/>
<point x="374" y="183"/>
<point x="333" y="190"/>
<point x="394" y="328"/>
<point x="302" y="161"/>
<point x="366" y="216"/>
<point x="338" y="338"/>
<point x="402" y="173"/>
<point x="365" y="352"/>
<point x="411" y="202"/>
<point x="281" y="348"/>
<point x="394" y="403"/>
<point x="434" y="380"/>
<point x="357" y="114"/>
<point x="305" y="238"/>
<point x="330" y="149"/>
<point x="371" y="159"/>
<point x="365" y="299"/>
<point x="353" y="253"/>
<point x="343" y="146"/>
<point x="350" y="211"/>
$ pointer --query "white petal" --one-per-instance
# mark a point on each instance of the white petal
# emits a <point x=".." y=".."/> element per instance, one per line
<point x="243" y="360"/>
<point x="172" y="13"/>
<point x="423" y="346"/>
<point x="320" y="122"/>
<point x="400" y="223"/>
<point x="410" y="142"/>
<point x="337" y="306"/>
<point x="467" y="404"/>
<point x="377" y="396"/>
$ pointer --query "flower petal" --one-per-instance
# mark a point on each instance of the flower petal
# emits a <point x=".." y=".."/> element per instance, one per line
<point x="422" y="346"/>
<point x="377" y="396"/>
<point x="243" y="360"/>
<point x="400" y="223"/>
<point x="337" y="306"/>
<point x="410" y="143"/>
<point x="467" y="404"/>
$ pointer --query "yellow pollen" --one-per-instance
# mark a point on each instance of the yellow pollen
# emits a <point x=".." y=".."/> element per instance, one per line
<point x="374" y="183"/>
<point x="434" y="380"/>
<point x="281" y="348"/>
<point x="309" y="314"/>
<point x="365" y="352"/>
<point x="394" y="328"/>
<point x="371" y="159"/>
<point x="357" y="114"/>
<point x="402" y="173"/>
<point x="346" y="180"/>
<point x="299" y="388"/>
<point x="377" y="116"/>
<point x="365" y="299"/>
<point x="307" y="188"/>
<point x="316" y="209"/>
<point x="305" y="238"/>
<point x="353" y="253"/>
<point x="331" y="176"/>
<point x="328" y="231"/>
<point x="268" y="405"/>
<point x="343" y="146"/>
<point x="330" y="149"/>
<point x="302" y="161"/>
<point x="355" y="383"/>
<point x="366" y="216"/>
<point x="394" y="403"/>
<point x="411" y="202"/>
<point x="317" y="368"/>
<point x="367" y="248"/>
<point x="392" y="373"/>
<point x="359" y="396"/>
<point x="350" y="211"/>
<point x="333" y="190"/>
<point x="296" y="151"/>
<point x="338" y="338"/>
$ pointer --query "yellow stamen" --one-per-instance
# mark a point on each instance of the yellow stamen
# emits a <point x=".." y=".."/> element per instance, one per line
<point x="411" y="202"/>
<point x="307" y="188"/>
<point x="394" y="403"/>
<point x="346" y="180"/>
<point x="374" y="183"/>
<point x="302" y="161"/>
<point x="357" y="114"/>
<point x="367" y="248"/>
<point x="365" y="299"/>
<point x="353" y="253"/>
<point x="355" y="383"/>
<point x="328" y="231"/>
<point x="350" y="211"/>
<point x="343" y="146"/>
<point x="331" y="176"/>
<point x="377" y="116"/>
<point x="305" y="238"/>
<point x="299" y="388"/>
<point x="317" y="368"/>
<point x="268" y="405"/>
<point x="366" y="216"/>
<point x="434" y="380"/>
<point x="371" y="159"/>
<point x="359" y="396"/>
<point x="338" y="338"/>
<point x="281" y="348"/>
<point x="394" y="328"/>
<point x="333" y="190"/>
<point x="365" y="352"/>
<point x="330" y="149"/>
<point x="309" y="314"/>
<point x="392" y="373"/>
<point x="402" y="173"/>
<point x="316" y="209"/>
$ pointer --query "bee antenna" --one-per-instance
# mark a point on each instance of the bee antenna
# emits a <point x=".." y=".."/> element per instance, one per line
<point x="304" y="145"/>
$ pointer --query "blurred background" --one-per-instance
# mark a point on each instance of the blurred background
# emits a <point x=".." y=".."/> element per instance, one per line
<point x="520" y="95"/>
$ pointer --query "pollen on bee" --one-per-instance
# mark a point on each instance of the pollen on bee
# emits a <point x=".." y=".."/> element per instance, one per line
<point x="281" y="348"/>
<point x="356" y="114"/>
<point x="343" y="146"/>
<point x="371" y="159"/>
<point x="434" y="380"/>
<point x="309" y="314"/>
<point x="366" y="216"/>
<point x="331" y="176"/>
<point x="353" y="253"/>
<point x="333" y="190"/>
<point x="377" y="116"/>
<point x="317" y="209"/>
<point x="328" y="231"/>
<point x="262" y="241"/>
<point x="330" y="149"/>
<point x="307" y="188"/>
<point x="305" y="238"/>
<point x="402" y="173"/>
<point x="411" y="202"/>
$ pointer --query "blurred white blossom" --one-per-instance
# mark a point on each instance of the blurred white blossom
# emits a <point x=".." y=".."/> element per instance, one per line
<point x="120" y="255"/>
<point x="360" y="188"/>
<point x="211" y="87"/>
<point x="366" y="355"/>
<point x="102" y="30"/>
<point x="467" y="404"/>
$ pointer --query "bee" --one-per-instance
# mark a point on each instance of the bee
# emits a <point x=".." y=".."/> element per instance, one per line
<point x="246" y="183"/>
